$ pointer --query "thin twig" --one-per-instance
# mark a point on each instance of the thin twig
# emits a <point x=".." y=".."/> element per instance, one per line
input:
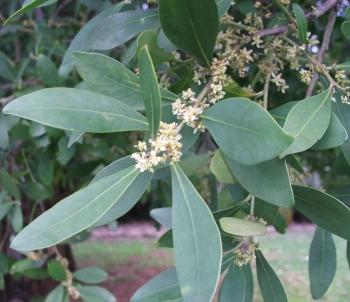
<point x="315" y="13"/>
<point x="323" y="50"/>
<point x="266" y="90"/>
<point x="252" y="205"/>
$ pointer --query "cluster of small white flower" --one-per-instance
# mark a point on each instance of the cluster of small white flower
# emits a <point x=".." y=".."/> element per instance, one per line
<point x="188" y="109"/>
<point x="279" y="82"/>
<point x="305" y="75"/>
<point x="245" y="254"/>
<point x="165" y="146"/>
<point x="218" y="79"/>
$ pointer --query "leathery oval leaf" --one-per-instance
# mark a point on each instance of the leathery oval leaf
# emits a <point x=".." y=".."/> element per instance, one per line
<point x="270" y="286"/>
<point x="82" y="209"/>
<point x="322" y="262"/>
<point x="238" y="284"/>
<point x="150" y="90"/>
<point x="268" y="181"/>
<point x="108" y="76"/>
<point x="241" y="120"/>
<point x="308" y="121"/>
<point x="116" y="29"/>
<point x="324" y="210"/>
<point x="240" y="227"/>
<point x="334" y="136"/>
<point x="192" y="25"/>
<point x="77" y="110"/>
<point x="196" y="239"/>
<point x="163" y="287"/>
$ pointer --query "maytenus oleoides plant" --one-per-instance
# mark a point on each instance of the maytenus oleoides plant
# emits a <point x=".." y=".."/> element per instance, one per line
<point x="254" y="140"/>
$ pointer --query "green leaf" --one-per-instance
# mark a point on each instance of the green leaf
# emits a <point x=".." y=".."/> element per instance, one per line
<point x="2" y="282"/>
<point x="348" y="252"/>
<point x="280" y="113"/>
<point x="91" y="275"/>
<point x="65" y="153"/>
<point x="5" y="263"/>
<point x="56" y="295"/>
<point x="227" y="211"/>
<point x="323" y="209"/>
<point x="45" y="170"/>
<point x="270" y="213"/>
<point x="9" y="185"/>
<point x="47" y="71"/>
<point x="150" y="91"/>
<point x="343" y="113"/>
<point x="191" y="164"/>
<point x="192" y="25"/>
<point x="23" y="265"/>
<point x="334" y="136"/>
<point x="166" y="240"/>
<point x="163" y="287"/>
<point x="268" y="181"/>
<point x="241" y="120"/>
<point x="75" y="137"/>
<point x="219" y="168"/>
<point x="4" y="209"/>
<point x="95" y="294"/>
<point x="270" y="286"/>
<point x="114" y="167"/>
<point x="36" y="274"/>
<point x="76" y="110"/>
<point x="342" y="193"/>
<point x="56" y="270"/>
<point x="293" y="161"/>
<point x="107" y="76"/>
<point x="119" y="28"/>
<point x="79" y="42"/>
<point x="4" y="136"/>
<point x="345" y="66"/>
<point x="16" y="217"/>
<point x="345" y="28"/>
<point x="82" y="209"/>
<point x="35" y="191"/>
<point x="308" y="121"/>
<point x="223" y="6"/>
<point x="238" y="285"/>
<point x="347" y="13"/>
<point x="301" y="23"/>
<point x="322" y="262"/>
<point x="241" y="227"/>
<point x="162" y="216"/>
<point x="196" y="239"/>
<point x="149" y="38"/>
<point x="7" y="68"/>
<point x="26" y="7"/>
<point x="232" y="89"/>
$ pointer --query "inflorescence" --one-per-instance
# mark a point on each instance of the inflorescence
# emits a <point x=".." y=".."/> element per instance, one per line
<point x="166" y="146"/>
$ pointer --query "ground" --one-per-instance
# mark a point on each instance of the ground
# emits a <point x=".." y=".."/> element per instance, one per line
<point x="130" y="257"/>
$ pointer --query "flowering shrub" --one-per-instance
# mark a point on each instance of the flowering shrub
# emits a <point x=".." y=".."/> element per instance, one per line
<point x="214" y="74"/>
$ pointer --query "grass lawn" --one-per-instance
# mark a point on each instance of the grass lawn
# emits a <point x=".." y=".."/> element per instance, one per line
<point x="131" y="262"/>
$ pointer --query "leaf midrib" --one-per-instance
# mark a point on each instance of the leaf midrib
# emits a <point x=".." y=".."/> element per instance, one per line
<point x="308" y="121"/>
<point x="188" y="12"/>
<point x="234" y="126"/>
<point x="193" y="228"/>
<point x="268" y="277"/>
<point x="90" y="111"/>
<point x="87" y="205"/>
